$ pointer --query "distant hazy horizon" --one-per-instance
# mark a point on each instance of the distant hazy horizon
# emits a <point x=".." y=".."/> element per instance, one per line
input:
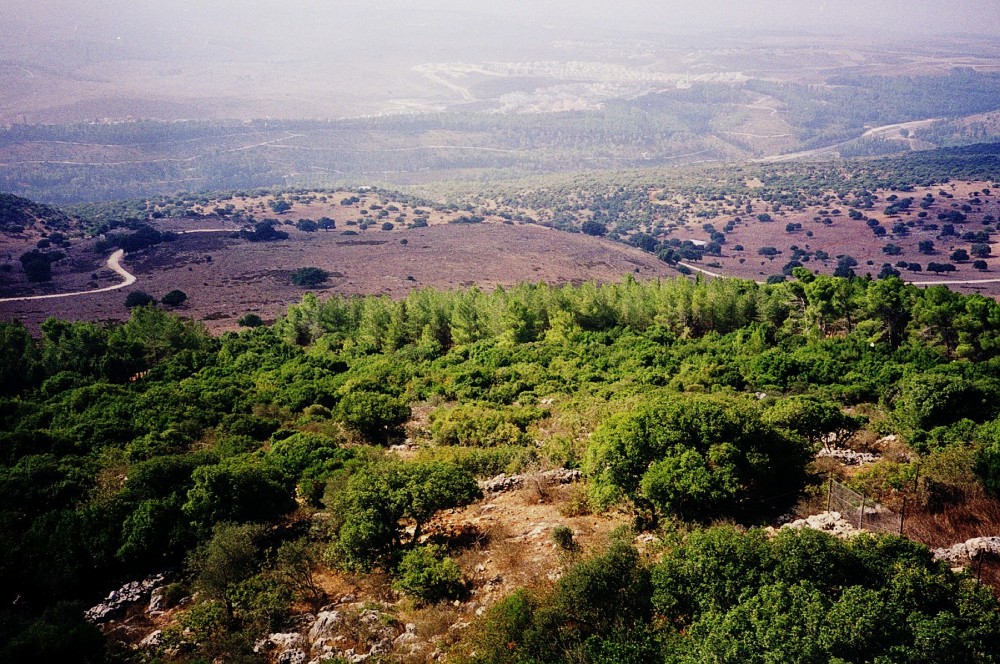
<point x="304" y="23"/>
<point x="108" y="59"/>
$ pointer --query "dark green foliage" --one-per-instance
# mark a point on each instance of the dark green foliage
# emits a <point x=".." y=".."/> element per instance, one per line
<point x="308" y="459"/>
<point x="309" y="276"/>
<point x="264" y="231"/>
<point x="250" y="320"/>
<point x="806" y="596"/>
<point x="138" y="298"/>
<point x="143" y="238"/>
<point x="17" y="214"/>
<point x="726" y="595"/>
<point x="37" y="265"/>
<point x="373" y="415"/>
<point x="988" y="456"/>
<point x="426" y="574"/>
<point x="296" y="565"/>
<point x="230" y="557"/>
<point x="123" y="446"/>
<point x="377" y="496"/>
<point x="238" y="489"/>
<point x="20" y="360"/>
<point x="174" y="298"/>
<point x="981" y="250"/>
<point x="929" y="400"/>
<point x="562" y="537"/>
<point x="695" y="457"/>
<point x="482" y="425"/>
<point x="60" y="634"/>
<point x="602" y="603"/>
<point x="819" y="421"/>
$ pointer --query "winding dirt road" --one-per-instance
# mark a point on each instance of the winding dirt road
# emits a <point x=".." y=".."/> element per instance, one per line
<point x="114" y="263"/>
<point x="885" y="131"/>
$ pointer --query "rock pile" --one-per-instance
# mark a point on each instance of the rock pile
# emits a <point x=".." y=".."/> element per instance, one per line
<point x="828" y="522"/>
<point x="848" y="457"/>
<point x="503" y="482"/>
<point x="325" y="637"/>
<point x="969" y="550"/>
<point x="117" y="600"/>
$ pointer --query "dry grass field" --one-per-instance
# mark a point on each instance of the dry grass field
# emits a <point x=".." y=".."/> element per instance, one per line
<point x="226" y="277"/>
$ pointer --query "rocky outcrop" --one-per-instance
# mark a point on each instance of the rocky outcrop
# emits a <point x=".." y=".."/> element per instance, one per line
<point x="503" y="482"/>
<point x="346" y="631"/>
<point x="117" y="601"/>
<point x="152" y="641"/>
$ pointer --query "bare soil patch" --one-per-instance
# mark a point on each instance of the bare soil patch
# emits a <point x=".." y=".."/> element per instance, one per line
<point x="225" y="277"/>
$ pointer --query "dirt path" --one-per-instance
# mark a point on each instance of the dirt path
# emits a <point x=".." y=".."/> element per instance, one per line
<point x="114" y="264"/>
<point x="709" y="273"/>
<point x="882" y="132"/>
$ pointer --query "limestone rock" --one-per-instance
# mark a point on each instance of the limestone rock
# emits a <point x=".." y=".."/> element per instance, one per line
<point x="848" y="457"/>
<point x="503" y="482"/>
<point x="829" y="522"/>
<point x="969" y="550"/>
<point x="152" y="640"/>
<point x="118" y="600"/>
<point x="325" y="625"/>
<point x="295" y="656"/>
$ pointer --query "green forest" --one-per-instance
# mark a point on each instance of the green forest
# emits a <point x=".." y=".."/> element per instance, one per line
<point x="245" y="464"/>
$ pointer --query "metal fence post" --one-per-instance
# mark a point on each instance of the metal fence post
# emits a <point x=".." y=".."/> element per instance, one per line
<point x="902" y="516"/>
<point x="829" y="495"/>
<point x="861" y="514"/>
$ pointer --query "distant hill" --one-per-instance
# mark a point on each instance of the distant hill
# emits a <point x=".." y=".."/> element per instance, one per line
<point x="19" y="215"/>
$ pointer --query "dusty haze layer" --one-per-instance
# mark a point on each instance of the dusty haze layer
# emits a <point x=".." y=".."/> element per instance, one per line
<point x="70" y="62"/>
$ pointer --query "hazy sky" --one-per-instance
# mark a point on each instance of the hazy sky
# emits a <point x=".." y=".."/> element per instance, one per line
<point x="22" y="20"/>
<point x="95" y="58"/>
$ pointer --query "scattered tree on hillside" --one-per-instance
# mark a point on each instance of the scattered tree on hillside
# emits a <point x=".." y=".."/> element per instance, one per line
<point x="309" y="276"/>
<point x="174" y="298"/>
<point x="138" y="298"/>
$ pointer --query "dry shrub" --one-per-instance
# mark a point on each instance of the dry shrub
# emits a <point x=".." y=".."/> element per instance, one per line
<point x="538" y="489"/>
<point x="435" y="620"/>
<point x="575" y="501"/>
<point x="864" y="440"/>
<point x="975" y="516"/>
<point x="505" y="551"/>
<point x="827" y="467"/>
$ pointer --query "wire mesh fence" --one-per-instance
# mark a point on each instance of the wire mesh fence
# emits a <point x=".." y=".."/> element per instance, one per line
<point x="863" y="512"/>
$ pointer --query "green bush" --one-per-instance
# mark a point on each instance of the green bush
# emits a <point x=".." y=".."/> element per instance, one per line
<point x="309" y="276"/>
<point x="696" y="457"/>
<point x="483" y="425"/>
<point x="483" y="462"/>
<point x="367" y="509"/>
<point x="562" y="537"/>
<point x="174" y="298"/>
<point x="250" y="320"/>
<point x="138" y="299"/>
<point x="426" y="574"/>
<point x="375" y="416"/>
